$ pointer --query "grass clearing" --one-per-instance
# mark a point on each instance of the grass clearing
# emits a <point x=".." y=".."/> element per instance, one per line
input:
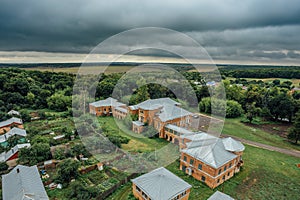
<point x="235" y="128"/>
<point x="137" y="143"/>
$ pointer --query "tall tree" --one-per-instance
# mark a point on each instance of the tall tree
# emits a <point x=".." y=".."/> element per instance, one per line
<point x="294" y="132"/>
<point x="67" y="170"/>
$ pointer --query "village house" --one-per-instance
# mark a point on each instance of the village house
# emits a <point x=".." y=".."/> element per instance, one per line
<point x="13" y="153"/>
<point x="6" y="125"/>
<point x="210" y="159"/>
<point x="160" y="184"/>
<point x="108" y="107"/>
<point x="12" y="132"/>
<point x="158" y="113"/>
<point x="23" y="183"/>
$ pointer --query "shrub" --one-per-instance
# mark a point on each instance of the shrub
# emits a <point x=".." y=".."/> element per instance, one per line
<point x="3" y="166"/>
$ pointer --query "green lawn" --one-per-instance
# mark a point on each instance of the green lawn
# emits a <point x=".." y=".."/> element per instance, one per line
<point x="137" y="142"/>
<point x="265" y="175"/>
<point x="235" y="128"/>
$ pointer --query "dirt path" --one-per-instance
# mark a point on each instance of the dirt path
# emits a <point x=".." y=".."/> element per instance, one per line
<point x="265" y="146"/>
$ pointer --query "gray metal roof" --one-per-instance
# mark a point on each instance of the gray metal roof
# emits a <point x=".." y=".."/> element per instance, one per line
<point x="199" y="136"/>
<point x="152" y="104"/>
<point x="12" y="132"/>
<point x="23" y="183"/>
<point x="178" y="129"/>
<point x="169" y="112"/>
<point x="133" y="107"/>
<point x="10" y="121"/>
<point x="233" y="145"/>
<point x="107" y="102"/>
<point x="138" y="123"/>
<point x="210" y="151"/>
<point x="161" y="184"/>
<point x="220" y="196"/>
<point x="121" y="109"/>
<point x="6" y="155"/>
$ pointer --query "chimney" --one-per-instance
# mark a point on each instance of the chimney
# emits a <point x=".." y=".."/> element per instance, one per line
<point x="18" y="170"/>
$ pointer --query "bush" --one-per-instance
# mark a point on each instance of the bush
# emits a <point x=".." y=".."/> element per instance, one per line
<point x="67" y="170"/>
<point x="3" y="166"/>
<point x="80" y="149"/>
<point x="233" y="109"/>
<point x="118" y="140"/>
<point x="79" y="191"/>
<point x="59" y="154"/>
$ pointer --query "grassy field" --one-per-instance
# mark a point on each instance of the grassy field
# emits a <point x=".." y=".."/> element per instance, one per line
<point x="236" y="128"/>
<point x="265" y="175"/>
<point x="95" y="69"/>
<point x="136" y="143"/>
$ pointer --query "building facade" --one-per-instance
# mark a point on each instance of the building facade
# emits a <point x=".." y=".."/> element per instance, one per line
<point x="212" y="161"/>
<point x="108" y="107"/>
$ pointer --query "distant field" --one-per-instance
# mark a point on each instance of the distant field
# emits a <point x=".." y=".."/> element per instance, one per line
<point x="203" y="69"/>
<point x="94" y="69"/>
<point x="87" y="69"/>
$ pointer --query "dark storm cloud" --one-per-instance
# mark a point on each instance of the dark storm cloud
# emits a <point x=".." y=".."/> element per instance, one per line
<point x="227" y="29"/>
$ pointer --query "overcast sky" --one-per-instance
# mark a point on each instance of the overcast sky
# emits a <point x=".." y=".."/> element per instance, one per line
<point x="232" y="31"/>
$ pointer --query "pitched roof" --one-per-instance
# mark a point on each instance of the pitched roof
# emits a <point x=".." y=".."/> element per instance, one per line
<point x="199" y="136"/>
<point x="6" y="155"/>
<point x="10" y="121"/>
<point x="138" y="123"/>
<point x="13" y="112"/>
<point x="161" y="184"/>
<point x="233" y="145"/>
<point x="152" y="104"/>
<point x="220" y="196"/>
<point x="12" y="132"/>
<point x="210" y="151"/>
<point x="107" y="102"/>
<point x="121" y="109"/>
<point x="168" y="108"/>
<point x="169" y="112"/>
<point x="178" y="129"/>
<point x="23" y="183"/>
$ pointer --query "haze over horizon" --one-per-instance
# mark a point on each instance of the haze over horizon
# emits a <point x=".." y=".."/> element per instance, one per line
<point x="232" y="32"/>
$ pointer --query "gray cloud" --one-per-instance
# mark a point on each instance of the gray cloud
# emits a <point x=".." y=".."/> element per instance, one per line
<point x="230" y="29"/>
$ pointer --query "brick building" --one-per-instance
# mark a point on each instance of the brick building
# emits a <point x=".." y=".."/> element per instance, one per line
<point x="108" y="107"/>
<point x="159" y="113"/>
<point x="210" y="159"/>
<point x="160" y="184"/>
